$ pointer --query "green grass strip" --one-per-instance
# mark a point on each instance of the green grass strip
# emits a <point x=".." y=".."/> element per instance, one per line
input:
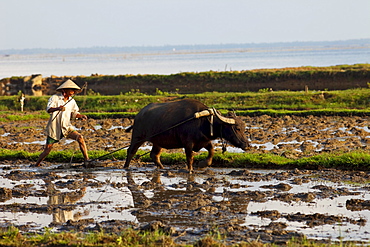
<point x="130" y="237"/>
<point x="354" y="160"/>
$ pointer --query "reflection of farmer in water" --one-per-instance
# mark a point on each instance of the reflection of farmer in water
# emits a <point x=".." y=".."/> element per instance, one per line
<point x="62" y="107"/>
<point x="62" y="203"/>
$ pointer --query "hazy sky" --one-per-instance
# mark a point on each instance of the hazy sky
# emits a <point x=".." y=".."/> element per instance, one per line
<point x="88" y="23"/>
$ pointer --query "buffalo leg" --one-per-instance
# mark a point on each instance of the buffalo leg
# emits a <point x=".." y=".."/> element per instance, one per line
<point x="155" y="155"/>
<point x="131" y="151"/>
<point x="189" y="158"/>
<point x="211" y="152"/>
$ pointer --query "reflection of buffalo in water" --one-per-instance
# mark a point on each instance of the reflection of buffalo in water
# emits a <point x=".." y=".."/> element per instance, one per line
<point x="177" y="205"/>
<point x="185" y="124"/>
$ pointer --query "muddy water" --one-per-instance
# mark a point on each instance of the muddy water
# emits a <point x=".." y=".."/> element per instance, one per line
<point x="241" y="204"/>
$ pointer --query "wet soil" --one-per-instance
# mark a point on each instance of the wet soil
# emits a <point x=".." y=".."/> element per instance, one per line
<point x="241" y="204"/>
<point x="291" y="136"/>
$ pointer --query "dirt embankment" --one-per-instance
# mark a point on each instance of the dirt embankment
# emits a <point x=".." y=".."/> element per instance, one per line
<point x="330" y="78"/>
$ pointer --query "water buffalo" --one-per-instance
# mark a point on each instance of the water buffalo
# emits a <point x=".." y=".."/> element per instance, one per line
<point x="187" y="124"/>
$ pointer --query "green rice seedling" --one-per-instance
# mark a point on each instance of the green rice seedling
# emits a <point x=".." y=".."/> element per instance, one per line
<point x="130" y="237"/>
<point x="209" y="241"/>
<point x="6" y="154"/>
<point x="168" y="158"/>
<point x="248" y="160"/>
<point x="342" y="102"/>
<point x="12" y="235"/>
<point x="356" y="160"/>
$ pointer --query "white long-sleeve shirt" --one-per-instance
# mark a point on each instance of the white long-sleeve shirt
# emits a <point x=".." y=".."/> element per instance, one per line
<point x="61" y="125"/>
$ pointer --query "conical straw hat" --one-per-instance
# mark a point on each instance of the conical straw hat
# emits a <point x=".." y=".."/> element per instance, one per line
<point x="68" y="84"/>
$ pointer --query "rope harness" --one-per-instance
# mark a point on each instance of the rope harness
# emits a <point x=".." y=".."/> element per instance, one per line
<point x="205" y="113"/>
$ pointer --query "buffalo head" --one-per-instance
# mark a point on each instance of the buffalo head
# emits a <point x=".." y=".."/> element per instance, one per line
<point x="232" y="129"/>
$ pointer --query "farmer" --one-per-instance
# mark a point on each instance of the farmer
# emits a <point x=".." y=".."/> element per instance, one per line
<point x="62" y="107"/>
<point x="21" y="99"/>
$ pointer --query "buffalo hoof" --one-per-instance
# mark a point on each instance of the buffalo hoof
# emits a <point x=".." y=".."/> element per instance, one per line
<point x="187" y="171"/>
<point x="202" y="164"/>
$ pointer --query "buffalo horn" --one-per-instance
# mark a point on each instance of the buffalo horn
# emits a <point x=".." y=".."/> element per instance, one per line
<point x="204" y="113"/>
<point x="224" y="119"/>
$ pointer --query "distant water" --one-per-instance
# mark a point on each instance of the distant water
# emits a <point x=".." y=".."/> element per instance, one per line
<point x="175" y="60"/>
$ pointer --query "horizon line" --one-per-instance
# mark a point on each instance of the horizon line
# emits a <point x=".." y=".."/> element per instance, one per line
<point x="181" y="45"/>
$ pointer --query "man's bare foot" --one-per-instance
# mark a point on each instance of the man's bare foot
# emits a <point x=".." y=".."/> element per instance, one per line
<point x="89" y="164"/>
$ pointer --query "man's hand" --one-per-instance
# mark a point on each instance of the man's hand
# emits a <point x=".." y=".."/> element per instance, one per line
<point x="82" y="117"/>
<point x="59" y="108"/>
